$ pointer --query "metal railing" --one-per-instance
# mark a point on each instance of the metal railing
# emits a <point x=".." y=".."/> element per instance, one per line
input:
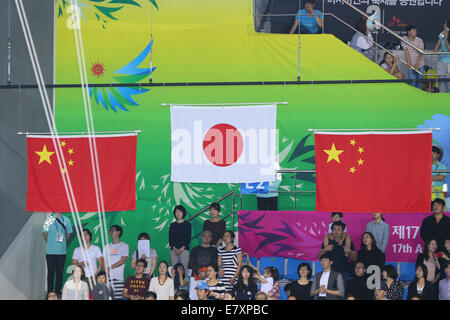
<point x="239" y="195"/>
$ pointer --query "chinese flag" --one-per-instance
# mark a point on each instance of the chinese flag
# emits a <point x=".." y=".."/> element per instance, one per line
<point x="373" y="172"/>
<point x="117" y="165"/>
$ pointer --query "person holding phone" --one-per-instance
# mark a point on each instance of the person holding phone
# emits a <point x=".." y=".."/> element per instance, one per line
<point x="443" y="65"/>
<point x="309" y="19"/>
<point x="56" y="232"/>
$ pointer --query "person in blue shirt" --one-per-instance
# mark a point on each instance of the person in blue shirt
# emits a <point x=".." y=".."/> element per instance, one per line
<point x="310" y="20"/>
<point x="443" y="65"/>
<point x="56" y="231"/>
<point x="437" y="179"/>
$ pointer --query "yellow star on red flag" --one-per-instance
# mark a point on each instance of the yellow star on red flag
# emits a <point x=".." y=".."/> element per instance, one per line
<point x="333" y="154"/>
<point x="44" y="155"/>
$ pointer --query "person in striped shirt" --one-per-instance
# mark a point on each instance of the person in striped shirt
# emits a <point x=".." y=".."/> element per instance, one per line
<point x="230" y="260"/>
<point x="414" y="58"/>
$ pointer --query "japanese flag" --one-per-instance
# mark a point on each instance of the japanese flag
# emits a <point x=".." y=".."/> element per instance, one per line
<point x="223" y="144"/>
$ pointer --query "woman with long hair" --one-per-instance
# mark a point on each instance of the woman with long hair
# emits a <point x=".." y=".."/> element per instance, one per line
<point x="162" y="285"/>
<point x="216" y="289"/>
<point x="443" y="64"/>
<point x="245" y="288"/>
<point x="151" y="261"/>
<point x="430" y="258"/>
<point x="229" y="261"/>
<point x="420" y="287"/>
<point x="178" y="274"/>
<point x="75" y="288"/>
<point x="362" y="40"/>
<point x="390" y="64"/>
<point x="369" y="252"/>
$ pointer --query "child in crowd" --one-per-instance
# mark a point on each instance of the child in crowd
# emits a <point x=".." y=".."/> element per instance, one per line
<point x="101" y="290"/>
<point x="337" y="216"/>
<point x="268" y="282"/>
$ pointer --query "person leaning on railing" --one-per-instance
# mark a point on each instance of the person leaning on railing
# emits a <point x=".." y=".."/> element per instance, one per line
<point x="390" y="63"/>
<point x="443" y="65"/>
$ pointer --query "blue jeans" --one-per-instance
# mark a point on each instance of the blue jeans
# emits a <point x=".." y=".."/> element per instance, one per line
<point x="416" y="76"/>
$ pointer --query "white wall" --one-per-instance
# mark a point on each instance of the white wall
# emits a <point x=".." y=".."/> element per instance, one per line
<point x="22" y="266"/>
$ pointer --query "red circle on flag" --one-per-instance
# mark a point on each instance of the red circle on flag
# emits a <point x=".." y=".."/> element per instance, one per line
<point x="223" y="144"/>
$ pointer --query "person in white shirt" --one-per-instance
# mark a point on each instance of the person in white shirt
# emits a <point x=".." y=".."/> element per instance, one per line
<point x="162" y="285"/>
<point x="115" y="256"/>
<point x="92" y="253"/>
<point x="362" y="40"/>
<point x="327" y="284"/>
<point x="75" y="288"/>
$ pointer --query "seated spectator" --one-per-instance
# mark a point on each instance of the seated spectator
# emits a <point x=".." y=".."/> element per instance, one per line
<point x="102" y="291"/>
<point x="261" y="296"/>
<point x="420" y="287"/>
<point x="229" y="260"/>
<point x="150" y="295"/>
<point x="216" y="286"/>
<point x="301" y="288"/>
<point x="445" y="257"/>
<point x="339" y="252"/>
<point x="216" y="225"/>
<point x="292" y="298"/>
<point x="136" y="286"/>
<point x="380" y="230"/>
<point x="182" y="294"/>
<point x="75" y="288"/>
<point x="362" y="40"/>
<point x="93" y="254"/>
<point x="369" y="253"/>
<point x="269" y="284"/>
<point x="444" y="284"/>
<point x="229" y="295"/>
<point x="310" y="20"/>
<point x="381" y="293"/>
<point x="202" y="291"/>
<point x="443" y="65"/>
<point x="52" y="295"/>
<point x="414" y="59"/>
<point x="436" y="226"/>
<point x="395" y="288"/>
<point x="357" y="286"/>
<point x="179" y="238"/>
<point x="287" y="289"/>
<point x="390" y="64"/>
<point x="163" y="284"/>
<point x="349" y="297"/>
<point x="178" y="274"/>
<point x="246" y="288"/>
<point x="327" y="284"/>
<point x="430" y="258"/>
<point x="437" y="178"/>
<point x="203" y="255"/>
<point x="151" y="261"/>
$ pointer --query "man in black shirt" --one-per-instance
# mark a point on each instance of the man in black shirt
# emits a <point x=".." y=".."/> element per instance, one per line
<point x="436" y="226"/>
<point x="357" y="287"/>
<point x="203" y="255"/>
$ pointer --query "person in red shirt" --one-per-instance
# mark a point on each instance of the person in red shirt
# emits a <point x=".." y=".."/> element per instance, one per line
<point x="137" y="286"/>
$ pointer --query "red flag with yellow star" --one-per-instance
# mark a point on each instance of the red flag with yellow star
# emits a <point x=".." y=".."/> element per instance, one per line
<point x="373" y="172"/>
<point x="117" y="165"/>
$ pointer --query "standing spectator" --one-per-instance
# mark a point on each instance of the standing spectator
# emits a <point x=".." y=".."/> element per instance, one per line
<point x="394" y="287"/>
<point x="357" y="286"/>
<point x="327" y="284"/>
<point x="229" y="260"/>
<point x="269" y="201"/>
<point x="335" y="217"/>
<point x="436" y="226"/>
<point x="178" y="274"/>
<point x="203" y="255"/>
<point x="151" y="261"/>
<point x="245" y="288"/>
<point x="420" y="287"/>
<point x="380" y="231"/>
<point x="310" y="20"/>
<point x="93" y="265"/>
<point x="339" y="252"/>
<point x="162" y="285"/>
<point x="102" y="291"/>
<point x="430" y="258"/>
<point x="75" y="288"/>
<point x="137" y="286"/>
<point x="56" y="231"/>
<point x="115" y="256"/>
<point x="301" y="288"/>
<point x="390" y="64"/>
<point x="362" y="40"/>
<point x="369" y="252"/>
<point x="216" y="286"/>
<point x="269" y="284"/>
<point x="179" y="238"/>
<point x="444" y="284"/>
<point x="414" y="58"/>
<point x="443" y="65"/>
<point x="216" y="225"/>
<point x="437" y="179"/>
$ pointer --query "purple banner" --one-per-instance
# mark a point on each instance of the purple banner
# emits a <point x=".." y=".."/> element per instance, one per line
<point x="299" y="234"/>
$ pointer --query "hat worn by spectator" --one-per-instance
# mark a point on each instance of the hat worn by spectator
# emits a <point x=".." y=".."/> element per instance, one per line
<point x="202" y="286"/>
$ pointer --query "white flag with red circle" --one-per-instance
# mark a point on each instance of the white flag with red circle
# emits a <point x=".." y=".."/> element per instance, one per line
<point x="223" y="144"/>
